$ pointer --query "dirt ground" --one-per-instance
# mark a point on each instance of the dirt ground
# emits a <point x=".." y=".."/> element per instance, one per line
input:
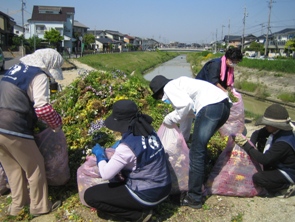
<point x="218" y="208"/>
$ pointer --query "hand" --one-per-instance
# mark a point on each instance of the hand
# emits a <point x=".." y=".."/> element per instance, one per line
<point x="240" y="140"/>
<point x="168" y="123"/>
<point x="57" y="129"/>
<point x="99" y="152"/>
<point x="116" y="144"/>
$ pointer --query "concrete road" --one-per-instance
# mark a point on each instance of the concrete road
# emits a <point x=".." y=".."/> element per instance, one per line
<point x="8" y="63"/>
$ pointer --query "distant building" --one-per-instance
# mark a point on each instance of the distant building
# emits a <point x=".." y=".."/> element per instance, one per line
<point x="6" y="30"/>
<point x="45" y="18"/>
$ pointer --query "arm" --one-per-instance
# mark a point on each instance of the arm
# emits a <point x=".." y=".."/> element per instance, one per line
<point x="122" y="158"/>
<point x="276" y="152"/>
<point x="181" y="102"/>
<point x="39" y="94"/>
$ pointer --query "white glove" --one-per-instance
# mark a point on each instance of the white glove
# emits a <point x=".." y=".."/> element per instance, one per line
<point x="226" y="92"/>
<point x="168" y="122"/>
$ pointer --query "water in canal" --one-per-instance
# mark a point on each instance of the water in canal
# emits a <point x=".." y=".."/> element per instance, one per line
<point x="180" y="67"/>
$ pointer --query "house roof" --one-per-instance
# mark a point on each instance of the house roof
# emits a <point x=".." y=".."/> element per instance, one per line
<point x="285" y="31"/>
<point x="232" y="38"/>
<point x="95" y="32"/>
<point x="79" y="24"/>
<point x="104" y="40"/>
<point x="51" y="13"/>
<point x="114" y="32"/>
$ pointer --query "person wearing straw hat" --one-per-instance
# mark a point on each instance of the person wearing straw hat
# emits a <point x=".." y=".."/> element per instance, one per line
<point x="193" y="98"/>
<point x="278" y="153"/>
<point x="24" y="97"/>
<point x="141" y="159"/>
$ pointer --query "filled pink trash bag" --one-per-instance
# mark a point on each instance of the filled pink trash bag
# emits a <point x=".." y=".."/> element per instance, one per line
<point x="232" y="173"/>
<point x="88" y="174"/>
<point x="178" y="156"/>
<point x="236" y="120"/>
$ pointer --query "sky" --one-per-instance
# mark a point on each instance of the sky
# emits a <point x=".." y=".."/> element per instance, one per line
<point x="185" y="21"/>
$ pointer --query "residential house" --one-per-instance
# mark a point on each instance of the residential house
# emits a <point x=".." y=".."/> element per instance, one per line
<point x="248" y="40"/>
<point x="79" y="29"/>
<point x="129" y="41"/>
<point x="278" y="40"/>
<point x="45" y="18"/>
<point x="118" y="39"/>
<point x="233" y="40"/>
<point x="148" y="43"/>
<point x="18" y="30"/>
<point x="6" y="30"/>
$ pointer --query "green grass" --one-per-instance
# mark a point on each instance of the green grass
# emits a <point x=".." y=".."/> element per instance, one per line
<point x="140" y="62"/>
<point x="287" y="97"/>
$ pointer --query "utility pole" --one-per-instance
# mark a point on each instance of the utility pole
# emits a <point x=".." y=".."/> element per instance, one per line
<point x="216" y="42"/>
<point x="228" y="33"/>
<point x="268" y="28"/>
<point x="244" y="22"/>
<point x="23" y="26"/>
<point x="222" y="31"/>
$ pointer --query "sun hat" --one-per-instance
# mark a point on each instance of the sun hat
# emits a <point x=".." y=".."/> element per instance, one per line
<point x="157" y="84"/>
<point x="126" y="115"/>
<point x="277" y="116"/>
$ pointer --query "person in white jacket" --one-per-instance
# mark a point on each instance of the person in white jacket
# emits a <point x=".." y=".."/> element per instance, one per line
<point x="209" y="105"/>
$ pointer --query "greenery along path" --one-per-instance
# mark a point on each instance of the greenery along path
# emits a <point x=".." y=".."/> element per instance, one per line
<point x="84" y="105"/>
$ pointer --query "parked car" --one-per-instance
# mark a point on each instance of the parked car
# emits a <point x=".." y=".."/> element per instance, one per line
<point x="2" y="60"/>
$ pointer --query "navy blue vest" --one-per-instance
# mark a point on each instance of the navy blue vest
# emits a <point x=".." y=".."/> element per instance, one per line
<point x="287" y="137"/>
<point x="17" y="114"/>
<point x="151" y="180"/>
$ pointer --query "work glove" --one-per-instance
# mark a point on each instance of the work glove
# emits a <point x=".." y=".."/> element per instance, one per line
<point x="240" y="140"/>
<point x="116" y="144"/>
<point x="99" y="152"/>
<point x="168" y="123"/>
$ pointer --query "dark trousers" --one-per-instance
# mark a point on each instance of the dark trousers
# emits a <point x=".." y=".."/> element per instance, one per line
<point x="272" y="180"/>
<point x="115" y="199"/>
<point x="208" y="120"/>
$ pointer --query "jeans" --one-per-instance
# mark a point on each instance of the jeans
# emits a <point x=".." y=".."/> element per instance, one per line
<point x="208" y="120"/>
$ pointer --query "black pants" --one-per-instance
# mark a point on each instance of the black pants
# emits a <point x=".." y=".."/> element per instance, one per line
<point x="115" y="199"/>
<point x="272" y="180"/>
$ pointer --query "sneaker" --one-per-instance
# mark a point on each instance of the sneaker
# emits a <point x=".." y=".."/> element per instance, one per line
<point x="54" y="207"/>
<point x="290" y="191"/>
<point x="188" y="201"/>
<point x="146" y="216"/>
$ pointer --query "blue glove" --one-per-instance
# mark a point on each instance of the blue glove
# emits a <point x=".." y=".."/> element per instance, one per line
<point x="99" y="152"/>
<point x="116" y="144"/>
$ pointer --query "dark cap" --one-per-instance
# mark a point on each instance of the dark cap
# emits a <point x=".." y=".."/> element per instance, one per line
<point x="157" y="84"/>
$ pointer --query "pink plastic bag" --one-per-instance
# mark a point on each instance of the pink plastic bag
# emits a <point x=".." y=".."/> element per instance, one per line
<point x="236" y="120"/>
<point x="88" y="174"/>
<point x="54" y="149"/>
<point x="232" y="173"/>
<point x="178" y="156"/>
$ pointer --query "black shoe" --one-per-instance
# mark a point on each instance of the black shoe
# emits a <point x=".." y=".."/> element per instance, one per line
<point x="187" y="201"/>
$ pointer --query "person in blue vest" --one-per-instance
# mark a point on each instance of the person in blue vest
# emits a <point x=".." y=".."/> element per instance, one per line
<point x="278" y="153"/>
<point x="220" y="71"/>
<point x="24" y="97"/>
<point x="141" y="159"/>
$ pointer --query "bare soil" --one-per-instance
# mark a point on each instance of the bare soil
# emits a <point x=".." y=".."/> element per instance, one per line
<point x="217" y="208"/>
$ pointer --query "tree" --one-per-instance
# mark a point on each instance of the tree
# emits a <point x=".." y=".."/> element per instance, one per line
<point x="257" y="47"/>
<point x="88" y="39"/>
<point x="290" y="45"/>
<point x="54" y="38"/>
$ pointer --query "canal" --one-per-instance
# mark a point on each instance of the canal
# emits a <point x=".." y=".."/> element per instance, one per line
<point x="180" y="67"/>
